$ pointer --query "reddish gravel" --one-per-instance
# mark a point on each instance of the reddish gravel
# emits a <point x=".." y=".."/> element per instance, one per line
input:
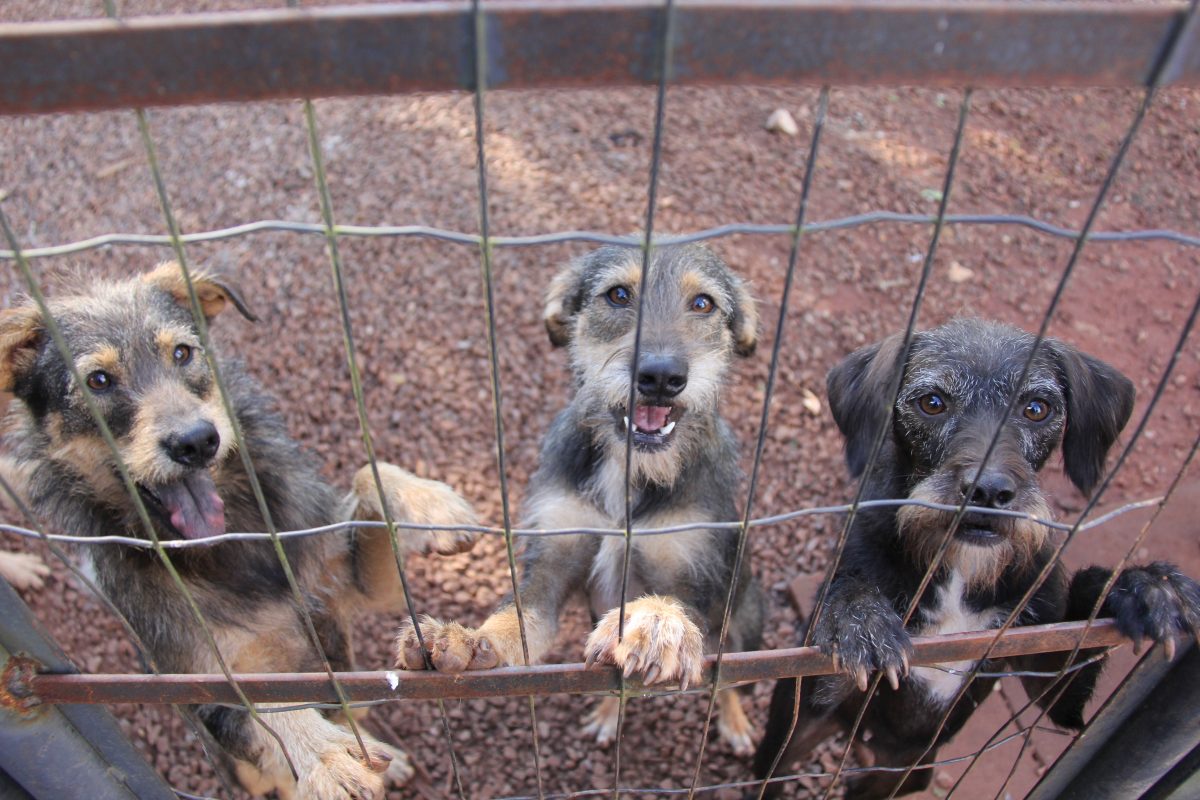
<point x="579" y="161"/>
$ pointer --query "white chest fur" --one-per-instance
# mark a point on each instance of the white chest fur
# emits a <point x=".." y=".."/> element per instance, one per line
<point x="951" y="615"/>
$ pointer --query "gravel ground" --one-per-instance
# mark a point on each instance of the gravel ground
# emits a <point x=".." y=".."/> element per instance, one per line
<point x="579" y="161"/>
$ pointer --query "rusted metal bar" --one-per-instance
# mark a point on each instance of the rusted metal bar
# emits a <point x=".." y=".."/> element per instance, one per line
<point x="538" y="680"/>
<point x="394" y="48"/>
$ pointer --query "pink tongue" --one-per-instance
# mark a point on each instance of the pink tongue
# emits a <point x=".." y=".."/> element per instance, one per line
<point x="650" y="418"/>
<point x="196" y="509"/>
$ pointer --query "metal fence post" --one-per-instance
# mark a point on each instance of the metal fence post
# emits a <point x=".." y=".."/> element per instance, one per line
<point x="57" y="752"/>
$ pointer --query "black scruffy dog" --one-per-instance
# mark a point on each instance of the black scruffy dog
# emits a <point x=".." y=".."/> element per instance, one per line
<point x="139" y="357"/>
<point x="957" y="384"/>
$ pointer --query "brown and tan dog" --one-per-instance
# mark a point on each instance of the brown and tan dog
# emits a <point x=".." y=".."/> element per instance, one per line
<point x="138" y="356"/>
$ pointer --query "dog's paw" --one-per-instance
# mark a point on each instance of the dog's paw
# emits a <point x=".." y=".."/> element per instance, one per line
<point x="660" y="643"/>
<point x="23" y="570"/>
<point x="1156" y="601"/>
<point x="401" y="770"/>
<point x="865" y="639"/>
<point x="420" y="501"/>
<point x="452" y="647"/>
<point x="602" y="720"/>
<point x="342" y="774"/>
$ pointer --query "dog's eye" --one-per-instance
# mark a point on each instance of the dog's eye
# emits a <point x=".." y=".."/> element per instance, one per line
<point x="619" y="296"/>
<point x="100" y="381"/>
<point x="932" y="404"/>
<point x="703" y="304"/>
<point x="182" y="354"/>
<point x="1037" y="410"/>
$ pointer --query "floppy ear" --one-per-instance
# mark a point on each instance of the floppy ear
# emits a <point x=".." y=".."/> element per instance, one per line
<point x="564" y="299"/>
<point x="1099" y="402"/>
<point x="743" y="319"/>
<point x="20" y="334"/>
<point x="214" y="292"/>
<point x="860" y="397"/>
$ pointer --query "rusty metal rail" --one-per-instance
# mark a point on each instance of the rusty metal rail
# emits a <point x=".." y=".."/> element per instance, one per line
<point x="263" y="55"/>
<point x="736" y="668"/>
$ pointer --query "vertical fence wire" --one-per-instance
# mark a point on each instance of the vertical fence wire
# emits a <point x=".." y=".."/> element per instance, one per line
<point x="890" y="398"/>
<point x="479" y="21"/>
<point x="660" y="101"/>
<point x="335" y="263"/>
<point x="760" y="444"/>
<point x="238" y="435"/>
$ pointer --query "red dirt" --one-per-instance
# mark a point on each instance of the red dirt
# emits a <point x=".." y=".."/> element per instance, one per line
<point x="566" y="160"/>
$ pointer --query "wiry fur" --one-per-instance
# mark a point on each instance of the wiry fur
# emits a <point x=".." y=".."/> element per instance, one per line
<point x="678" y="583"/>
<point x="972" y="367"/>
<point x="130" y="331"/>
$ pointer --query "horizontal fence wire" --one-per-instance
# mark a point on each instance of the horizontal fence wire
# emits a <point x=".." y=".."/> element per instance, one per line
<point x="597" y="237"/>
<point x="758" y="522"/>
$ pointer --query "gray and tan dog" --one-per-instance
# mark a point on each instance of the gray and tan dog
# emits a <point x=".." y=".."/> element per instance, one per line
<point x="697" y="316"/>
<point x="139" y="357"/>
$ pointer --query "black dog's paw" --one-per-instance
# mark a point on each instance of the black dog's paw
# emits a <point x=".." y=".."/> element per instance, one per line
<point x="1156" y="601"/>
<point x="863" y="637"/>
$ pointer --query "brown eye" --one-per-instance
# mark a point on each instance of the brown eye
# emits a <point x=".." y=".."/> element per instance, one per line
<point x="100" y="381"/>
<point x="1037" y="410"/>
<point x="619" y="296"/>
<point x="703" y="304"/>
<point x="932" y="404"/>
<point x="182" y="354"/>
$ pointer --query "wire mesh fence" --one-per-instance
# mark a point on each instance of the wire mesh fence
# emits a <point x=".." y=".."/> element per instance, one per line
<point x="1140" y="46"/>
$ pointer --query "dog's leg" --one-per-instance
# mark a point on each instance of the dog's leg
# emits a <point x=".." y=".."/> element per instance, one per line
<point x="661" y="641"/>
<point x="552" y="569"/>
<point x="733" y="724"/>
<point x="602" y="721"/>
<point x="878" y="785"/>
<point x="23" y="570"/>
<point x="327" y="758"/>
<point x="811" y="729"/>
<point x="410" y="499"/>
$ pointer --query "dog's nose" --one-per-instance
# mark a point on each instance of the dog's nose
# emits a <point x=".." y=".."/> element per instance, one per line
<point x="194" y="447"/>
<point x="993" y="490"/>
<point x="661" y="376"/>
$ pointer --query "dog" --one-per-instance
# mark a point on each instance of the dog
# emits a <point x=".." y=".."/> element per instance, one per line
<point x="697" y="315"/>
<point x="956" y="386"/>
<point x="138" y="355"/>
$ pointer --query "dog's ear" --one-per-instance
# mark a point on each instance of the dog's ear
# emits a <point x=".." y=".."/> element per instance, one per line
<point x="1099" y="402"/>
<point x="21" y="332"/>
<point x="214" y="292"/>
<point x="743" y="319"/>
<point x="859" y="391"/>
<point x="564" y="299"/>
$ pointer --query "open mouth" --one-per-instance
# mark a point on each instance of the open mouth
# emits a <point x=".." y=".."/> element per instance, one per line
<point x="190" y="506"/>
<point x="978" y="529"/>
<point x="652" y="426"/>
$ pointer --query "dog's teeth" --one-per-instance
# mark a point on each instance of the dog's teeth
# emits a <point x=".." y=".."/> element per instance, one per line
<point x="627" y="423"/>
<point x="670" y="426"/>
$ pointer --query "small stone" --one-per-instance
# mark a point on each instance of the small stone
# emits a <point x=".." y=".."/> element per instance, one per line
<point x="958" y="273"/>
<point x="811" y="403"/>
<point x="781" y="121"/>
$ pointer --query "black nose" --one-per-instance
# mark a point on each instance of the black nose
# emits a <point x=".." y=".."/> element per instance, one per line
<point x="993" y="490"/>
<point x="194" y="447"/>
<point x="661" y="376"/>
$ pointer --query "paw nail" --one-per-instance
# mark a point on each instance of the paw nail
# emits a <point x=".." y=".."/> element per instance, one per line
<point x="652" y="674"/>
<point x="893" y="679"/>
<point x="1169" y="648"/>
